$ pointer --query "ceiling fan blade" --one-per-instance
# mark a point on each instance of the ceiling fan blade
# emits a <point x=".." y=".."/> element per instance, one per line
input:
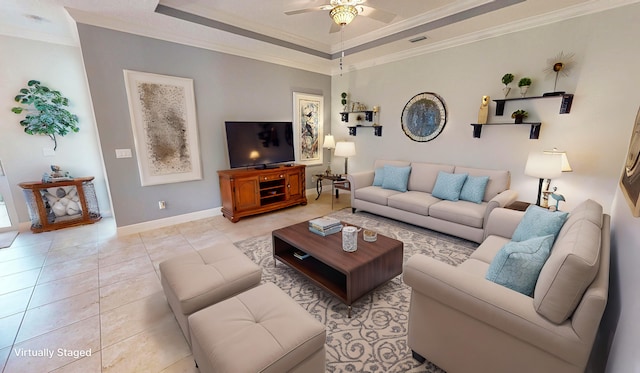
<point x="334" y="27"/>
<point x="377" y="14"/>
<point x="307" y="10"/>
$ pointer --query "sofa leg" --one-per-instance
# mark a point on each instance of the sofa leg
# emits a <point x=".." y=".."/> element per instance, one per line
<point x="353" y="210"/>
<point x="418" y="357"/>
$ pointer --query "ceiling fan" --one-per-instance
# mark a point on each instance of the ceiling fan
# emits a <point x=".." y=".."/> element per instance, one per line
<point x="344" y="11"/>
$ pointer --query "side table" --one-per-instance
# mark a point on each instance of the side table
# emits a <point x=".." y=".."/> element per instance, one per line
<point x="61" y="204"/>
<point x="518" y="206"/>
<point x="337" y="182"/>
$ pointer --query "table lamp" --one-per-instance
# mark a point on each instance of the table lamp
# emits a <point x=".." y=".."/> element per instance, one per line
<point x="566" y="167"/>
<point x="345" y="149"/>
<point x="329" y="143"/>
<point x="543" y="166"/>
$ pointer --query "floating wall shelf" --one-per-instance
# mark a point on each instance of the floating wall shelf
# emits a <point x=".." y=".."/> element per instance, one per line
<point x="368" y="115"/>
<point x="565" y="105"/>
<point x="377" y="130"/>
<point x="534" y="133"/>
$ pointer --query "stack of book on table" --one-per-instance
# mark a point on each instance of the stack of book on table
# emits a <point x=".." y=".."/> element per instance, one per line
<point x="325" y="226"/>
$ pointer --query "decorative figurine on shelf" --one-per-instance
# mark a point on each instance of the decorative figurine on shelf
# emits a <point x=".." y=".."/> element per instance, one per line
<point x="56" y="174"/>
<point x="558" y="65"/>
<point x="483" y="114"/>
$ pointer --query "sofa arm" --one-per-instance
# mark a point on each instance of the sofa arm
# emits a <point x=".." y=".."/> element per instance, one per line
<point x="502" y="222"/>
<point x="501" y="308"/>
<point x="359" y="180"/>
<point x="503" y="199"/>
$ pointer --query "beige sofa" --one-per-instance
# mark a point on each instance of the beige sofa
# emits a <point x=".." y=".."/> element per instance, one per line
<point x="417" y="206"/>
<point x="464" y="323"/>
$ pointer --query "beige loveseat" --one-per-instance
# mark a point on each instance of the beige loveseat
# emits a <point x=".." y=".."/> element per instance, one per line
<point x="463" y="322"/>
<point x="417" y="205"/>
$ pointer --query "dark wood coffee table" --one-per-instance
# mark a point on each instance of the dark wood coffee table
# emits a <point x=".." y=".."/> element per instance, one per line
<point x="346" y="275"/>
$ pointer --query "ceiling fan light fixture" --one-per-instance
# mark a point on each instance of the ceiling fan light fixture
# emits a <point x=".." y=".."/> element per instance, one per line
<point x="343" y="14"/>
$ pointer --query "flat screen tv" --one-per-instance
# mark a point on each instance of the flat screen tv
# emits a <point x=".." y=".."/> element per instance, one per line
<point x="259" y="144"/>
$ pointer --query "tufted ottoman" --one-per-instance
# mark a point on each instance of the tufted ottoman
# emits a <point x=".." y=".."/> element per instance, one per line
<point x="260" y="330"/>
<point x="199" y="279"/>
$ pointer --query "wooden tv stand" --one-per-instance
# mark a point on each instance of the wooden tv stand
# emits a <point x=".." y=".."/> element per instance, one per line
<point x="250" y="191"/>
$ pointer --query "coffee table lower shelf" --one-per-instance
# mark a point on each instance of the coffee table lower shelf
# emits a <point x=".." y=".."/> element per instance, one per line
<point x="321" y="274"/>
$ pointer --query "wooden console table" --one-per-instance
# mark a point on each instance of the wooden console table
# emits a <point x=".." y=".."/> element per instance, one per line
<point x="61" y="204"/>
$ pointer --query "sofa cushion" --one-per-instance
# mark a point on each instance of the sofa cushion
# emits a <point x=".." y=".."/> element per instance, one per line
<point x="518" y="264"/>
<point x="448" y="186"/>
<point x="538" y="222"/>
<point x="473" y="188"/>
<point x="378" y="176"/>
<point x="396" y="178"/>
<point x="374" y="194"/>
<point x="461" y="212"/>
<point x="499" y="180"/>
<point x="423" y="175"/>
<point x="572" y="265"/>
<point x="412" y="201"/>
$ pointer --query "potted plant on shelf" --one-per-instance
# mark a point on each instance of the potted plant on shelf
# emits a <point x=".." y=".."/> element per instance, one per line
<point x="46" y="113"/>
<point x="506" y="80"/>
<point x="524" y="85"/>
<point x="519" y="115"/>
<point x="343" y="101"/>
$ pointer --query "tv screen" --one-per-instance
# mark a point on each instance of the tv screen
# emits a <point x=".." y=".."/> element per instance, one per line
<point x="259" y="144"/>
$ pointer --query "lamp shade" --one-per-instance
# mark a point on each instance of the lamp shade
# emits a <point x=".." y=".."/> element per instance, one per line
<point x="543" y="166"/>
<point x="345" y="149"/>
<point x="566" y="167"/>
<point x="329" y="142"/>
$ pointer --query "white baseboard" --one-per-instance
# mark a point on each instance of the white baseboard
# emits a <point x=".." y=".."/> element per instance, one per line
<point x="173" y="220"/>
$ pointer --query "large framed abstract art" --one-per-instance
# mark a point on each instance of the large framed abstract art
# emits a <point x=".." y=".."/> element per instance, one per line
<point x="630" y="179"/>
<point x="165" y="129"/>
<point x="308" y="127"/>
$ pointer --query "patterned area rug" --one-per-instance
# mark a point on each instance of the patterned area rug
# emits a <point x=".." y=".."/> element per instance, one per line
<point x="375" y="338"/>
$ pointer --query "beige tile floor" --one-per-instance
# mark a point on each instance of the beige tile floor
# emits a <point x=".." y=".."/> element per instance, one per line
<point x="84" y="291"/>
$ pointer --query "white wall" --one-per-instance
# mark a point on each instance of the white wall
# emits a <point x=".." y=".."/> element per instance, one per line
<point x="58" y="67"/>
<point x="624" y="303"/>
<point x="595" y="134"/>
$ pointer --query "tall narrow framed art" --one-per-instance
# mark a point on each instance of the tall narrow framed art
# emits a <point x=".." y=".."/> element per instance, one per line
<point x="165" y="129"/>
<point x="308" y="127"/>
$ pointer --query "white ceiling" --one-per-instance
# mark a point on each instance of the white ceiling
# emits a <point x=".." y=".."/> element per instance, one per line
<point x="261" y="29"/>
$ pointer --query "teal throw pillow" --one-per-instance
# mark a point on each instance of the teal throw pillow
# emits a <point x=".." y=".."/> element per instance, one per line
<point x="537" y="222"/>
<point x="396" y="178"/>
<point x="448" y="186"/>
<point x="473" y="188"/>
<point x="518" y="264"/>
<point x="378" y="176"/>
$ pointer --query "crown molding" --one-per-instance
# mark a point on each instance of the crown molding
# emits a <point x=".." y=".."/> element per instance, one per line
<point x="508" y="28"/>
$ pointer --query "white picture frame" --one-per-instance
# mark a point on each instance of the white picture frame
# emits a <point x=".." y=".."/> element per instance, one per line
<point x="308" y="126"/>
<point x="165" y="129"/>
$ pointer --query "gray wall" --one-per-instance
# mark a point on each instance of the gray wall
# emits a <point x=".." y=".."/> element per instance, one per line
<point x="226" y="88"/>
